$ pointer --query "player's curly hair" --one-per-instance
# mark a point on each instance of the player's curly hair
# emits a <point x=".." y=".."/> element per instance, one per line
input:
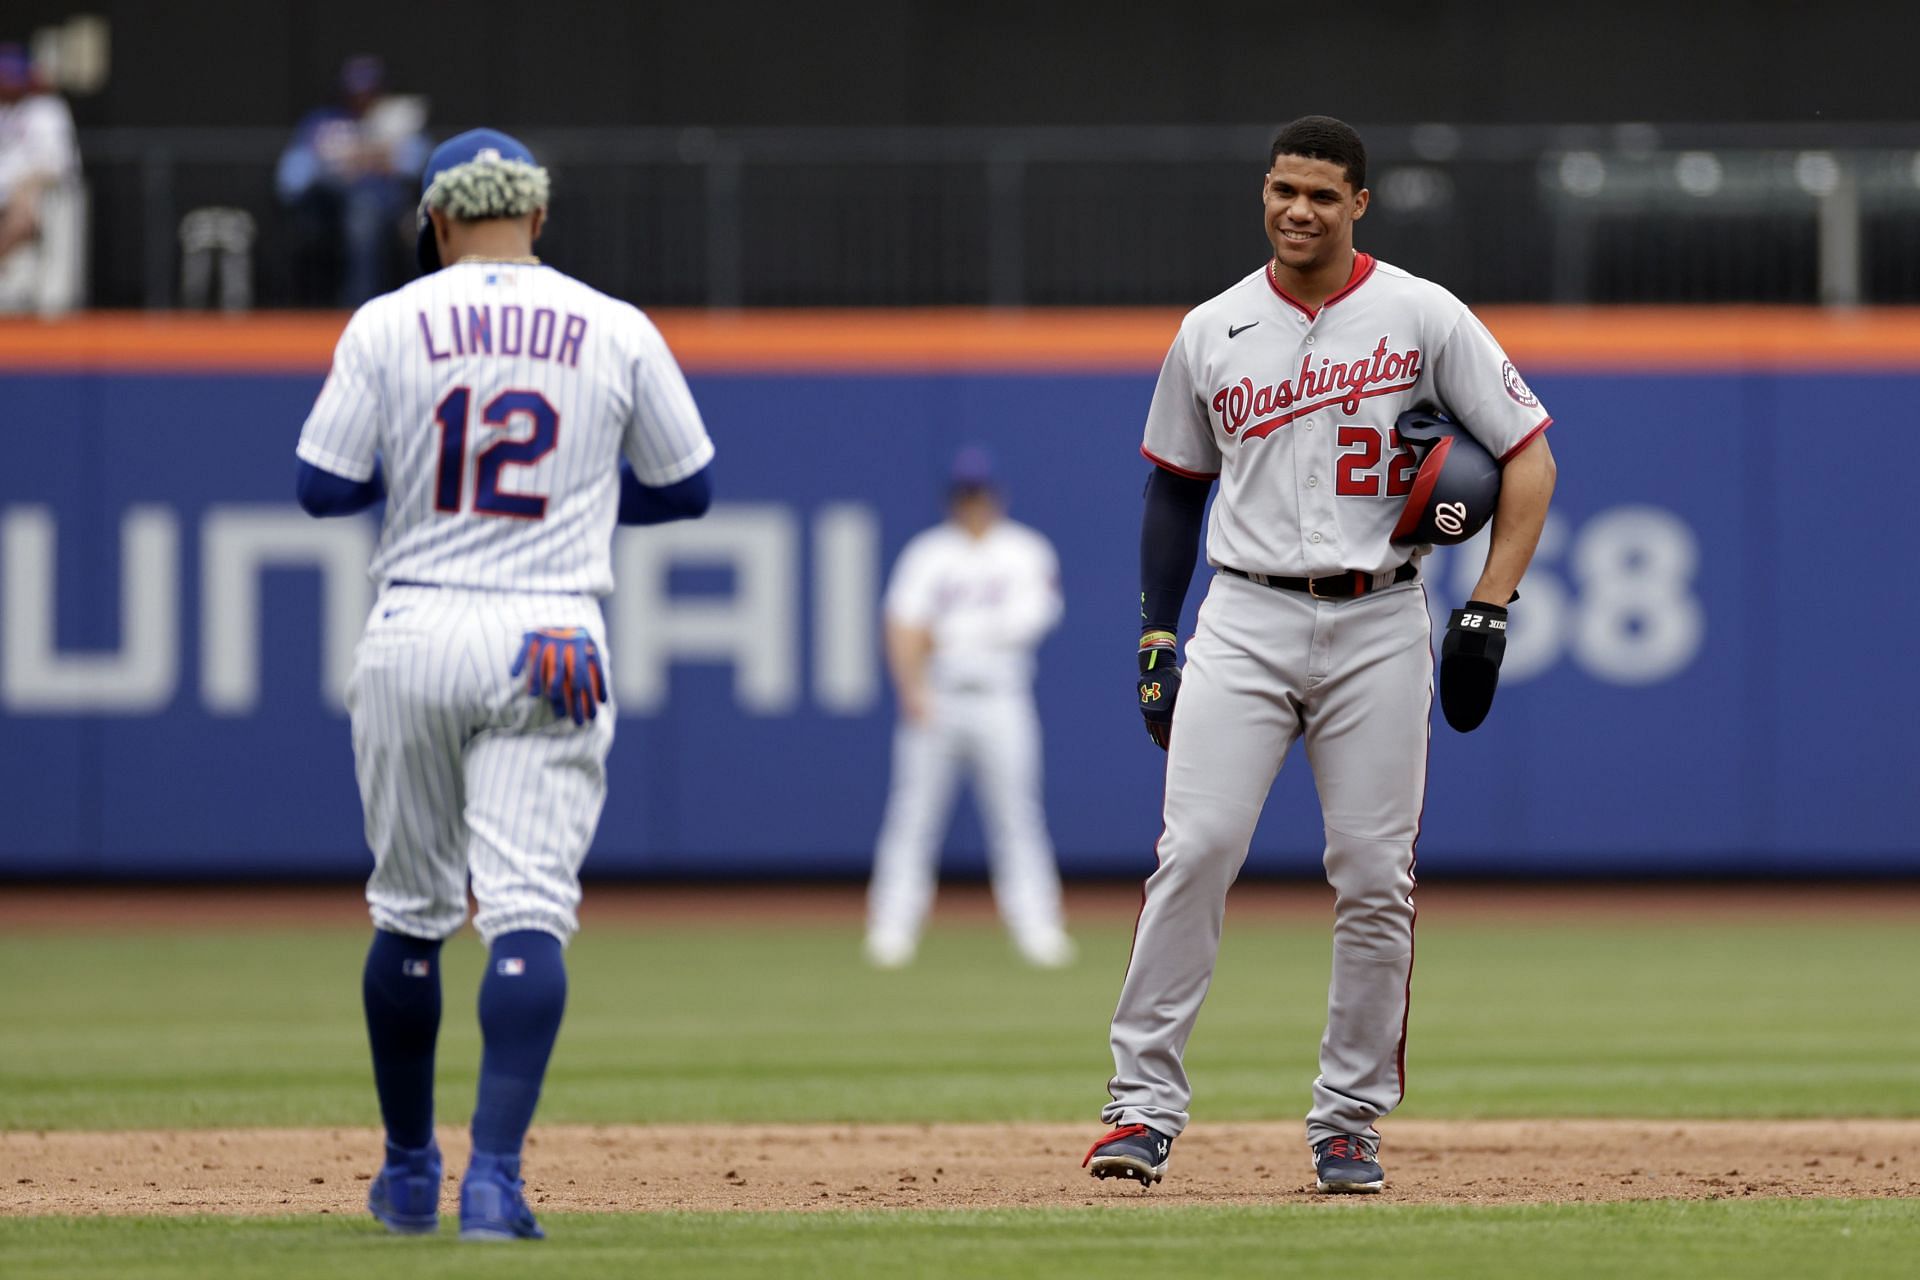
<point x="1324" y="138"/>
<point x="489" y="186"/>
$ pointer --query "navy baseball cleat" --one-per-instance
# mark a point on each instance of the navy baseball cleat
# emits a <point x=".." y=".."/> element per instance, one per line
<point x="1130" y="1151"/>
<point x="491" y="1204"/>
<point x="1343" y="1165"/>
<point x="405" y="1194"/>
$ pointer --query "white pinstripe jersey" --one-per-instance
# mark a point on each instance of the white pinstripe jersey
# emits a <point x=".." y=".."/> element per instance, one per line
<point x="987" y="601"/>
<point x="1294" y="409"/>
<point x="500" y="398"/>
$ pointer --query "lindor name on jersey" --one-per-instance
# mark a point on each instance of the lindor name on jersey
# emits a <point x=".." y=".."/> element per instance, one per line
<point x="507" y="330"/>
<point x="1344" y="383"/>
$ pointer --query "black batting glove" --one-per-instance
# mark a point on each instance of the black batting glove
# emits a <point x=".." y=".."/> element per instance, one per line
<point x="1470" y="663"/>
<point x="1159" y="684"/>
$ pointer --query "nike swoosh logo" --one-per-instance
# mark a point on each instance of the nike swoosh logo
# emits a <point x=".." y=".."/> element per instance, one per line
<point x="1233" y="332"/>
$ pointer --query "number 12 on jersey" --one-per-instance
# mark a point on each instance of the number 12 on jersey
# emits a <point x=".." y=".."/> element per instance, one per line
<point x="510" y="409"/>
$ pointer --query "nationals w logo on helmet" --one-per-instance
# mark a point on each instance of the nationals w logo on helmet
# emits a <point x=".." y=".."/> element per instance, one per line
<point x="1457" y="486"/>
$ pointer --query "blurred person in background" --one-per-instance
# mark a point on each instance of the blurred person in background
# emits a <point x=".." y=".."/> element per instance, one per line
<point x="40" y="210"/>
<point x="968" y="602"/>
<point x="347" y="179"/>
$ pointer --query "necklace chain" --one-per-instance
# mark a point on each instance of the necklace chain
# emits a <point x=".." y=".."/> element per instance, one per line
<point x="1273" y="268"/>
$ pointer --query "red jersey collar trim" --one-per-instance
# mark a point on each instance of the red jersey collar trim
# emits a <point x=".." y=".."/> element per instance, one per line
<point x="1362" y="268"/>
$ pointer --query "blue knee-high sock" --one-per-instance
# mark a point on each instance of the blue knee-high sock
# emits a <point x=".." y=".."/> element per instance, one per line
<point x="401" y="991"/>
<point x="521" y="1000"/>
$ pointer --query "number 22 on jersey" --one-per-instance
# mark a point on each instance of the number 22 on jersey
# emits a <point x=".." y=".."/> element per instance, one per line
<point x="1354" y="469"/>
<point x="530" y="427"/>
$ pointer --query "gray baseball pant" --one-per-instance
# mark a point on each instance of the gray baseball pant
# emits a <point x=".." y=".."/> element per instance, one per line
<point x="1355" y="679"/>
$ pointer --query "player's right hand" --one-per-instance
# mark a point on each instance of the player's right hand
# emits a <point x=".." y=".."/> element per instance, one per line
<point x="563" y="666"/>
<point x="1159" y="685"/>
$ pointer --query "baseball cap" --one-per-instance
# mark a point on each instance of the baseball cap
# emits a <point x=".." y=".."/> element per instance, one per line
<point x="474" y="144"/>
<point x="462" y="148"/>
<point x="972" y="469"/>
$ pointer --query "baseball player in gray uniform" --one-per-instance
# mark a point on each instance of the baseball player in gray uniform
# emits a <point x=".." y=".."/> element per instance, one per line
<point x="491" y="403"/>
<point x="1286" y="388"/>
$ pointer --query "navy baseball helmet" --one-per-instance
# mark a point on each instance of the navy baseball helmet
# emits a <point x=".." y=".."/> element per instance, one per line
<point x="462" y="148"/>
<point x="1457" y="486"/>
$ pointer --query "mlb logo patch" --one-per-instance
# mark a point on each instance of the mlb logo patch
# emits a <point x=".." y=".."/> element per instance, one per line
<point x="416" y="968"/>
<point x="510" y="966"/>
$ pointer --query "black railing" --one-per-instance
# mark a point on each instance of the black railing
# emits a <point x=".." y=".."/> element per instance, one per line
<point x="1110" y="216"/>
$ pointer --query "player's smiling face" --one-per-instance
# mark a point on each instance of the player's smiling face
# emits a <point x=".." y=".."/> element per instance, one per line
<point x="1310" y="210"/>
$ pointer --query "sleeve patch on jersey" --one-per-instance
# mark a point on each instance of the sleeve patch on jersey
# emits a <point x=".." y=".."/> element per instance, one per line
<point x="1515" y="387"/>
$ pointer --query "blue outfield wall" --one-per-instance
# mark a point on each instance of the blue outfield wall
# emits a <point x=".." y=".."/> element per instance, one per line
<point x="1711" y="667"/>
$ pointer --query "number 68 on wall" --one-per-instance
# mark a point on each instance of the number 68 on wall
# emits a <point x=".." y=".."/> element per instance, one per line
<point x="1616" y="595"/>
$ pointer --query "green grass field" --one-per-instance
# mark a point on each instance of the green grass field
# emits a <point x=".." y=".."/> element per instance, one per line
<point x="1650" y="1241"/>
<point x="106" y="1031"/>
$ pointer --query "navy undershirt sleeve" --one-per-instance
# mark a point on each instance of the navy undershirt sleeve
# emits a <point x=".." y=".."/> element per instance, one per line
<point x="1176" y="507"/>
<point x="322" y="493"/>
<point x="649" y="504"/>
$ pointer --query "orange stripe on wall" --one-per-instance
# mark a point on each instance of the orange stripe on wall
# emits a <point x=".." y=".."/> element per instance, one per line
<point x="1623" y="339"/>
<point x="1627" y="339"/>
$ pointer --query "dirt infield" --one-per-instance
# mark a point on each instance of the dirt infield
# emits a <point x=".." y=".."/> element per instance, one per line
<point x="785" y="1167"/>
<point x="64" y="907"/>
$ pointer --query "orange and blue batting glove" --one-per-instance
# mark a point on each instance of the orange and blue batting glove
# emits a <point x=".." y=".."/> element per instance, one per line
<point x="563" y="666"/>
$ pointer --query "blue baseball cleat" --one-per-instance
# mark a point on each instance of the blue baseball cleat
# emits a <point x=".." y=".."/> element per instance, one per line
<point x="1344" y="1166"/>
<point x="405" y="1194"/>
<point x="1130" y="1151"/>
<point x="492" y="1206"/>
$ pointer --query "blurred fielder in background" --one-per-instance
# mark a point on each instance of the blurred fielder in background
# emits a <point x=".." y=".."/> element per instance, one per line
<point x="500" y="396"/>
<point x="967" y="603"/>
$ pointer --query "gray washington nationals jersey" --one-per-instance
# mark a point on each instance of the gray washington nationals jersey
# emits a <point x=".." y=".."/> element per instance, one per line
<point x="1294" y="411"/>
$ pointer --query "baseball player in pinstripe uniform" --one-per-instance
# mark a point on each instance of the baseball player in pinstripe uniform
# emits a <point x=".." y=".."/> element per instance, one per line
<point x="491" y="403"/>
<point x="968" y="603"/>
